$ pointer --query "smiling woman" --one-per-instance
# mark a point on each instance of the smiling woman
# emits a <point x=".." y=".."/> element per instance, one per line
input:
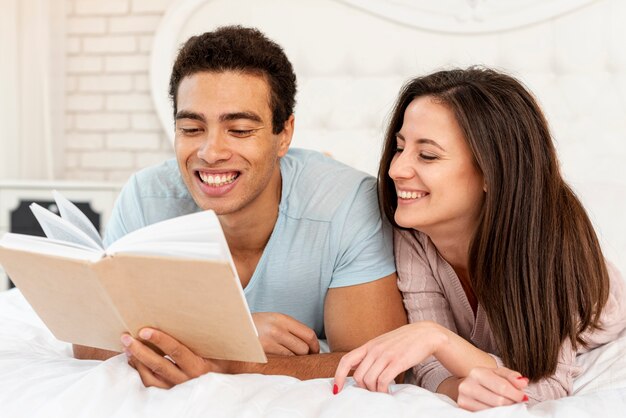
<point x="501" y="271"/>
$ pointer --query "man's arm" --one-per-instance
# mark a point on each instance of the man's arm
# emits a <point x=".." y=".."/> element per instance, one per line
<point x="353" y="315"/>
<point x="82" y="352"/>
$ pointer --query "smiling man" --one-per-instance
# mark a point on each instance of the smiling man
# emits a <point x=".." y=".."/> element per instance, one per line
<point x="313" y="255"/>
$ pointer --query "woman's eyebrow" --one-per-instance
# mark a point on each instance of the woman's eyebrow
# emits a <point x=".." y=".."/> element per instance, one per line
<point x="422" y="141"/>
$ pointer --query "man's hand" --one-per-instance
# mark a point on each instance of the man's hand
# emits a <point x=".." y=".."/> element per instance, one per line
<point x="282" y="335"/>
<point x="157" y="370"/>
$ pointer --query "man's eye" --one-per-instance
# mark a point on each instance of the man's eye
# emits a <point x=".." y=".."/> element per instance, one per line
<point x="241" y="133"/>
<point x="189" y="131"/>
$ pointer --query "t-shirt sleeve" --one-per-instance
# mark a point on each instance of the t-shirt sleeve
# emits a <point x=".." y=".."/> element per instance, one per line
<point x="127" y="214"/>
<point x="363" y="240"/>
<point x="424" y="300"/>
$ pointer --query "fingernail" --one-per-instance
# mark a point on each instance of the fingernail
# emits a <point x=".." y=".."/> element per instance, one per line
<point x="128" y="353"/>
<point x="145" y="333"/>
<point x="127" y="340"/>
<point x="525" y="398"/>
<point x="335" y="389"/>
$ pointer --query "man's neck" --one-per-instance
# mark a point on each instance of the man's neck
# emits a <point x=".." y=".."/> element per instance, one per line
<point x="247" y="231"/>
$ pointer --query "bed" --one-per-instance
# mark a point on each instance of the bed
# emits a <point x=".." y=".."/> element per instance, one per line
<point x="351" y="57"/>
<point x="40" y="378"/>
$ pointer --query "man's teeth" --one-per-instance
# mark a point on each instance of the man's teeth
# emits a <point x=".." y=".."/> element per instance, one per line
<point x="411" y="195"/>
<point x="217" y="180"/>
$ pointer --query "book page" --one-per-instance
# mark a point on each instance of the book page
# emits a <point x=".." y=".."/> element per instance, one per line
<point x="189" y="232"/>
<point x="201" y="250"/>
<point x="60" y="229"/>
<point x="73" y="215"/>
<point x="48" y="246"/>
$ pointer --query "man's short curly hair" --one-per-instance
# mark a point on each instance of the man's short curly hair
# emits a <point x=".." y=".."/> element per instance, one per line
<point x="248" y="50"/>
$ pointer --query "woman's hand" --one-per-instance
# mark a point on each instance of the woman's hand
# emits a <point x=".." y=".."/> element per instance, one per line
<point x="282" y="335"/>
<point x="487" y="388"/>
<point x="379" y="361"/>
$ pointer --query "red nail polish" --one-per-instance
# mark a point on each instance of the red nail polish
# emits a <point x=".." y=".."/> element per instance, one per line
<point x="335" y="389"/>
<point x="525" y="398"/>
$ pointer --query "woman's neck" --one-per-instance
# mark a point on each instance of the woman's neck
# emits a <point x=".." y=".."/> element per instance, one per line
<point x="454" y="248"/>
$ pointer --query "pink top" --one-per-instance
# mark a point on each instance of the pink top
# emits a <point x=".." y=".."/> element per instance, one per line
<point x="432" y="292"/>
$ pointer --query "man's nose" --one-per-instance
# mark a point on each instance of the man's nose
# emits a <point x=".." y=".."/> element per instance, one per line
<point x="214" y="148"/>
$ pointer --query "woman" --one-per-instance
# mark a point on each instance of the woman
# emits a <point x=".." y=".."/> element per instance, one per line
<point x="502" y="275"/>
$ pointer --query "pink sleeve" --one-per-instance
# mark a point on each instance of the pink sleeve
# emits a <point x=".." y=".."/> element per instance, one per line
<point x="423" y="301"/>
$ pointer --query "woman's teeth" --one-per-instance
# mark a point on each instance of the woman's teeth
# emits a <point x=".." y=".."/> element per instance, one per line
<point x="411" y="195"/>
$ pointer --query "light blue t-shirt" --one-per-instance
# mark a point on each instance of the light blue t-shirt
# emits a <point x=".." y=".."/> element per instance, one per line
<point x="329" y="231"/>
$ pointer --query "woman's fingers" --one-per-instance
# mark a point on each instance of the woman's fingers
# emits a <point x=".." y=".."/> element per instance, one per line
<point x="347" y="363"/>
<point x="516" y="379"/>
<point x="491" y="387"/>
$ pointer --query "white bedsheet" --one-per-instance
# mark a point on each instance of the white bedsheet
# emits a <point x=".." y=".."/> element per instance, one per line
<point x="39" y="377"/>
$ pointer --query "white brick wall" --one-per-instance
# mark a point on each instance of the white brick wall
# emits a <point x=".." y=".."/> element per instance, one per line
<point x="111" y="127"/>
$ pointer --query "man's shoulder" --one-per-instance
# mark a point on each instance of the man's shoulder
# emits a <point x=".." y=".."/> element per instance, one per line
<point x="316" y="186"/>
<point x="162" y="180"/>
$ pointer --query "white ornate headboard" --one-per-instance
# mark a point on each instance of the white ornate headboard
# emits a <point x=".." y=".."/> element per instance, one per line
<point x="352" y="56"/>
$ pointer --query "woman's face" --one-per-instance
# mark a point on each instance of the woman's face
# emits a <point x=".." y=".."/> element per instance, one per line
<point x="440" y="189"/>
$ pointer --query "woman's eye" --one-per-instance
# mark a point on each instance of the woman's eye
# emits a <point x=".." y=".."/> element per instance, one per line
<point x="399" y="149"/>
<point x="428" y="157"/>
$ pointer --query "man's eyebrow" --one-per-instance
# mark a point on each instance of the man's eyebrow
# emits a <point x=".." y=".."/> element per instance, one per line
<point x="240" y="115"/>
<point x="186" y="114"/>
<point x="422" y="141"/>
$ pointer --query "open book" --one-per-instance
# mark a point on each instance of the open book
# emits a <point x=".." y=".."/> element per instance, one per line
<point x="176" y="275"/>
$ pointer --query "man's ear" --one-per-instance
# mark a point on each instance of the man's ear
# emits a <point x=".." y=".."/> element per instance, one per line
<point x="285" y="136"/>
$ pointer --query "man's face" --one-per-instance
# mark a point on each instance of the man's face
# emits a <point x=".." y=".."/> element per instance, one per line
<point x="225" y="148"/>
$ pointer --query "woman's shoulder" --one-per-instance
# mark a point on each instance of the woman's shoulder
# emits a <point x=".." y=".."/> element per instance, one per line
<point x="416" y="257"/>
<point x="408" y="242"/>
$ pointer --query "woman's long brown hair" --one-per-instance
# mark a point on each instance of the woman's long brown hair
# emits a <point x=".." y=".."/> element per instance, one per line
<point x="534" y="262"/>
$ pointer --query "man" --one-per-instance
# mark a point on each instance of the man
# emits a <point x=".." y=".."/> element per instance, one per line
<point x="305" y="232"/>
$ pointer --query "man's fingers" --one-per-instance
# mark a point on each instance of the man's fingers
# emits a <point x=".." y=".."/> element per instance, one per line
<point x="185" y="359"/>
<point x="294" y="344"/>
<point x="149" y="378"/>
<point x="160" y="366"/>
<point x="307" y="335"/>
<point x="276" y="328"/>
